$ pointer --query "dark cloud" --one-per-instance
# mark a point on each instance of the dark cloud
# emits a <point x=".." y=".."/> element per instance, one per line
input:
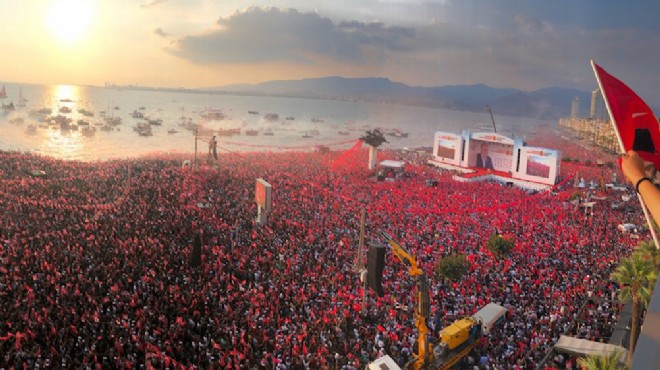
<point x="273" y="35"/>
<point x="152" y="3"/>
<point x="160" y="32"/>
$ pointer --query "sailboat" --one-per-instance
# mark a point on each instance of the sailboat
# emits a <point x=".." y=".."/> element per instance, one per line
<point x="21" y="99"/>
<point x="3" y="96"/>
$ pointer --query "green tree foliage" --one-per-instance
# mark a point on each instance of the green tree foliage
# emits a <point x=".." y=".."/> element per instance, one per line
<point x="374" y="138"/>
<point x="453" y="267"/>
<point x="500" y="245"/>
<point x="649" y="252"/>
<point x="636" y="276"/>
<point x="608" y="362"/>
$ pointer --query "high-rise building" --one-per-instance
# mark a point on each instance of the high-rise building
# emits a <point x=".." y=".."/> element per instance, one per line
<point x="594" y="102"/>
<point x="575" y="107"/>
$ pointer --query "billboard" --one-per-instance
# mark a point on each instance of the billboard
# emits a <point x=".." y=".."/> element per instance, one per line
<point x="263" y="194"/>
<point x="491" y="155"/>
<point x="539" y="164"/>
<point x="447" y="147"/>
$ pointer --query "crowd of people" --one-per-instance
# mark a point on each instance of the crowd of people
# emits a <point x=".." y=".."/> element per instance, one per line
<point x="94" y="268"/>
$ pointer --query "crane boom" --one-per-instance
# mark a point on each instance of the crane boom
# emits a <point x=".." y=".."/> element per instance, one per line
<point x="424" y="348"/>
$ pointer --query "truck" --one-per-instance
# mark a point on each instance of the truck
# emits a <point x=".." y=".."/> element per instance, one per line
<point x="456" y="340"/>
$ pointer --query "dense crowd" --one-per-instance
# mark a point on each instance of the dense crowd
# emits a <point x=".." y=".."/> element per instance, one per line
<point x="94" y="265"/>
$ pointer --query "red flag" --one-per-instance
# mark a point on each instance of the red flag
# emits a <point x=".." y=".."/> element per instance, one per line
<point x="633" y="119"/>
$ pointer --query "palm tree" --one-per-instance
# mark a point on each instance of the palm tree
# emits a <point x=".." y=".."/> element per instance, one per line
<point x="606" y="362"/>
<point x="649" y="252"/>
<point x="373" y="138"/>
<point x="636" y="277"/>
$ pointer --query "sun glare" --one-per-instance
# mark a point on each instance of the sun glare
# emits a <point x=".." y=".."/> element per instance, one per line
<point x="69" y="20"/>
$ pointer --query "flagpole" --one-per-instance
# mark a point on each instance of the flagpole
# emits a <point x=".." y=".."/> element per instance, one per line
<point x="623" y="150"/>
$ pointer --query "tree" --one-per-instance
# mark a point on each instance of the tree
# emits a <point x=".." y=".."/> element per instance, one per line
<point x="499" y="244"/>
<point x="453" y="267"/>
<point x="607" y="362"/>
<point x="636" y="277"/>
<point x="649" y="252"/>
<point x="374" y="138"/>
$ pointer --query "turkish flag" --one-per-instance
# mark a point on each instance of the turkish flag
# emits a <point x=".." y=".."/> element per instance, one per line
<point x="633" y="119"/>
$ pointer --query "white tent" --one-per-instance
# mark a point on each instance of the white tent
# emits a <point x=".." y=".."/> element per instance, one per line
<point x="489" y="316"/>
<point x="383" y="363"/>
<point x="577" y="346"/>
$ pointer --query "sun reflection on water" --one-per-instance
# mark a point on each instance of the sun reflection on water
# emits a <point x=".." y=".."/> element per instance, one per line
<point x="62" y="144"/>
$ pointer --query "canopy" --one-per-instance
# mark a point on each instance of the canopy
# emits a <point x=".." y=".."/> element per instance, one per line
<point x="392" y="164"/>
<point x="489" y="315"/>
<point x="383" y="363"/>
<point x="576" y="346"/>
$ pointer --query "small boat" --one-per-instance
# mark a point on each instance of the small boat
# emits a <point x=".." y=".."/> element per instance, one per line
<point x="17" y="120"/>
<point x="66" y="100"/>
<point x="272" y="117"/>
<point x="212" y="114"/>
<point x="137" y="114"/>
<point x="397" y="133"/>
<point x="317" y="120"/>
<point x="289" y="118"/>
<point x="155" y="122"/>
<point x="251" y="132"/>
<point x="142" y="108"/>
<point x="82" y="122"/>
<point x="268" y="132"/>
<point x="143" y="129"/>
<point x="306" y="135"/>
<point x="229" y="131"/>
<point x="65" y="109"/>
<point x="85" y="112"/>
<point x="253" y="112"/>
<point x="21" y="99"/>
<point x="88" y="131"/>
<point x="172" y="131"/>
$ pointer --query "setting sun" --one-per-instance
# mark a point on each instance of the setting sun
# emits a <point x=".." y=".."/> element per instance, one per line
<point x="69" y="20"/>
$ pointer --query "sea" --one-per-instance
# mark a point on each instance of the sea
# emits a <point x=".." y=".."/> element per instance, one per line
<point x="295" y="123"/>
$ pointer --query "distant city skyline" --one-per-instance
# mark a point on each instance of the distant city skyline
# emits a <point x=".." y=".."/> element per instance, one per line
<point x="206" y="43"/>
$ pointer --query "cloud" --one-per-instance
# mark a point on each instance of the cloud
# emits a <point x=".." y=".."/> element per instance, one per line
<point x="152" y="3"/>
<point x="160" y="32"/>
<point x="260" y="35"/>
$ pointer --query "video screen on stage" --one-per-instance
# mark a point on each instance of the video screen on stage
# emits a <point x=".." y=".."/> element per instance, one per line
<point x="446" y="148"/>
<point x="538" y="166"/>
<point x="492" y="156"/>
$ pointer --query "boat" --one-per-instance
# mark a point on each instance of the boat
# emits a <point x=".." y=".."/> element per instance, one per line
<point x="142" y="108"/>
<point x="172" y="131"/>
<point x="212" y="114"/>
<point x="88" y="131"/>
<point x="31" y="129"/>
<point x="306" y="135"/>
<point x="65" y="109"/>
<point x="85" y="112"/>
<point x="289" y="118"/>
<point x="251" y="132"/>
<point x="82" y="122"/>
<point x="154" y="121"/>
<point x="343" y="132"/>
<point x="143" y="129"/>
<point x="21" y="99"/>
<point x="314" y="132"/>
<point x="317" y="120"/>
<point x="397" y="133"/>
<point x="3" y="95"/>
<point x="229" y="131"/>
<point x="268" y="132"/>
<point x="17" y="120"/>
<point x="137" y="114"/>
<point x="272" y="117"/>
<point x="253" y="112"/>
<point x="66" y="100"/>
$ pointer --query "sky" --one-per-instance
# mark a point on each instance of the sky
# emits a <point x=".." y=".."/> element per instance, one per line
<point x="520" y="44"/>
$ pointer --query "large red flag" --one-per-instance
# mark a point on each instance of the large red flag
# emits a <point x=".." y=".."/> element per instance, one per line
<point x="633" y="119"/>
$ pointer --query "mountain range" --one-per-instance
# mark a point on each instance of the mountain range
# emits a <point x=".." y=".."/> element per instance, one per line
<point x="548" y="103"/>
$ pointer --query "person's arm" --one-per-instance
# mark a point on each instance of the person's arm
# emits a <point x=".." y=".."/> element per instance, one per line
<point x="633" y="168"/>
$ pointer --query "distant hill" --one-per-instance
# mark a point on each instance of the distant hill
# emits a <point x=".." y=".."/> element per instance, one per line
<point x="549" y="103"/>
